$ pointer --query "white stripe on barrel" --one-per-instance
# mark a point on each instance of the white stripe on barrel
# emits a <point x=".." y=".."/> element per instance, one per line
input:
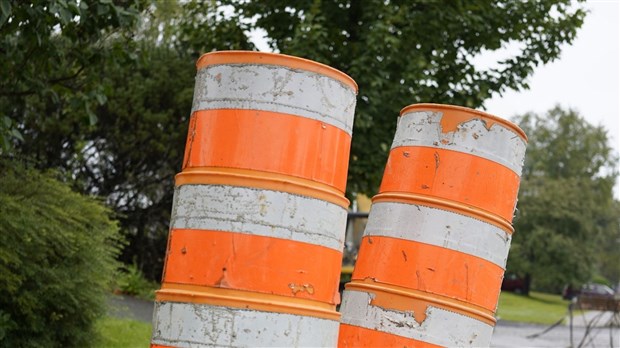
<point x="440" y="228"/>
<point x="281" y="89"/>
<point x="259" y="212"/>
<point x="441" y="327"/>
<point x="497" y="143"/>
<point x="201" y="325"/>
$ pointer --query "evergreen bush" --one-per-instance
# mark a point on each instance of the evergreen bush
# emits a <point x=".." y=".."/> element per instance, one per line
<point x="57" y="257"/>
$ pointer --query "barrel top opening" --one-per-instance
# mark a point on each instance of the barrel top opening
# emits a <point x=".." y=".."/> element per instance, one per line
<point x="488" y="118"/>
<point x="254" y="57"/>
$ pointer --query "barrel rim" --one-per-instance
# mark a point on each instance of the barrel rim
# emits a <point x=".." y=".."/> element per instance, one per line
<point x="245" y="300"/>
<point x="444" y="204"/>
<point x="454" y="305"/>
<point x="262" y="180"/>
<point x="267" y="58"/>
<point x="441" y="107"/>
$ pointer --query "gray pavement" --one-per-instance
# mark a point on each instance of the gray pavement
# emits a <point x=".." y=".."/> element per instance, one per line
<point x="122" y="306"/>
<point x="506" y="334"/>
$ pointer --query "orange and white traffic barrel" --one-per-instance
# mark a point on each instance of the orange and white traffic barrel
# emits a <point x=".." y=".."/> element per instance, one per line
<point x="433" y="255"/>
<point x="259" y="212"/>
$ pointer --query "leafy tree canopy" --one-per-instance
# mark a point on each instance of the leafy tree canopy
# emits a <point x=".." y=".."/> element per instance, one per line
<point x="116" y="124"/>
<point x="48" y="48"/>
<point x="404" y="52"/>
<point x="567" y="218"/>
<point x="102" y="89"/>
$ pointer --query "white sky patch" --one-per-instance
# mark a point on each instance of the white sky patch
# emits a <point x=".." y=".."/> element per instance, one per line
<point x="586" y="77"/>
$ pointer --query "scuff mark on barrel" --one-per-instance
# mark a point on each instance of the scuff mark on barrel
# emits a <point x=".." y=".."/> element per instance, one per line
<point x="190" y="141"/>
<point x="467" y="288"/>
<point x="295" y="288"/>
<point x="421" y="284"/>
<point x="473" y="338"/>
<point x="222" y="282"/>
<point x="418" y="309"/>
<point x="400" y="323"/>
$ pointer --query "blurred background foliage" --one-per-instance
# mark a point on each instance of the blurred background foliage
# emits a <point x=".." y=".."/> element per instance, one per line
<point x="100" y="91"/>
<point x="568" y="223"/>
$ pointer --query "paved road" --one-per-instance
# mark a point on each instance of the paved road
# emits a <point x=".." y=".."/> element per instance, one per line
<point x="121" y="306"/>
<point x="507" y="334"/>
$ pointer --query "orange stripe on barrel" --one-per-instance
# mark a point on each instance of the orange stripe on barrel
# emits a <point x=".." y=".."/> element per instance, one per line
<point x="270" y="142"/>
<point x="453" y="176"/>
<point x="429" y="268"/>
<point x="357" y="336"/>
<point x="254" y="263"/>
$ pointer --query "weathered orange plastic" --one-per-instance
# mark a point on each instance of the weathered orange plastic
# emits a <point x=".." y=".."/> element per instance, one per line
<point x="453" y="176"/>
<point x="253" y="263"/>
<point x="409" y="276"/>
<point x="355" y="336"/>
<point x="269" y="142"/>
<point x="260" y="150"/>
<point x="444" y="272"/>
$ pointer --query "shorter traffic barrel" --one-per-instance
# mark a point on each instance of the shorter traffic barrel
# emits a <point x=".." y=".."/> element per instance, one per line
<point x="434" y="251"/>
<point x="259" y="211"/>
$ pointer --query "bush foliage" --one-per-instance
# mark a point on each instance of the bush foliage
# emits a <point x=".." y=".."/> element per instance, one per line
<point x="131" y="281"/>
<point x="57" y="257"/>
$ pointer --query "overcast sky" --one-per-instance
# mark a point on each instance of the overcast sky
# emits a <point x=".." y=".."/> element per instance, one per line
<point x="585" y="78"/>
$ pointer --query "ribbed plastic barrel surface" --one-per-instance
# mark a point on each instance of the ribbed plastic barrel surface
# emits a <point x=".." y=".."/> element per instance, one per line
<point x="259" y="212"/>
<point x="433" y="255"/>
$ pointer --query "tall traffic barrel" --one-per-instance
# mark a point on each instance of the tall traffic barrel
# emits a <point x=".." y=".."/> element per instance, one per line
<point x="432" y="258"/>
<point x="259" y="211"/>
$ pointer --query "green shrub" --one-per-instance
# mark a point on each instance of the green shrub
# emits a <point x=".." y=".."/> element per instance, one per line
<point x="57" y="257"/>
<point x="131" y="281"/>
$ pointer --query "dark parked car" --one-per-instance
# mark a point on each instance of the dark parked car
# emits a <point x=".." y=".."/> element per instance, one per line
<point x="589" y="290"/>
<point x="514" y="283"/>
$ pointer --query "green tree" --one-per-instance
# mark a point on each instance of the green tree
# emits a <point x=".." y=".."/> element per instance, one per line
<point x="109" y="109"/>
<point x="608" y="263"/>
<point x="405" y="52"/>
<point x="133" y="152"/>
<point x="143" y="81"/>
<point x="566" y="206"/>
<point x="48" y="49"/>
<point x="57" y="258"/>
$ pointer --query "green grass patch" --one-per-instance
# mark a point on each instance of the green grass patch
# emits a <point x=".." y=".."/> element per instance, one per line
<point x="539" y="308"/>
<point x="122" y="333"/>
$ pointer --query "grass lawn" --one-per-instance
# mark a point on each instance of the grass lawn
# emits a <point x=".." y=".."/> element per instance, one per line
<point x="537" y="308"/>
<point x="122" y="333"/>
